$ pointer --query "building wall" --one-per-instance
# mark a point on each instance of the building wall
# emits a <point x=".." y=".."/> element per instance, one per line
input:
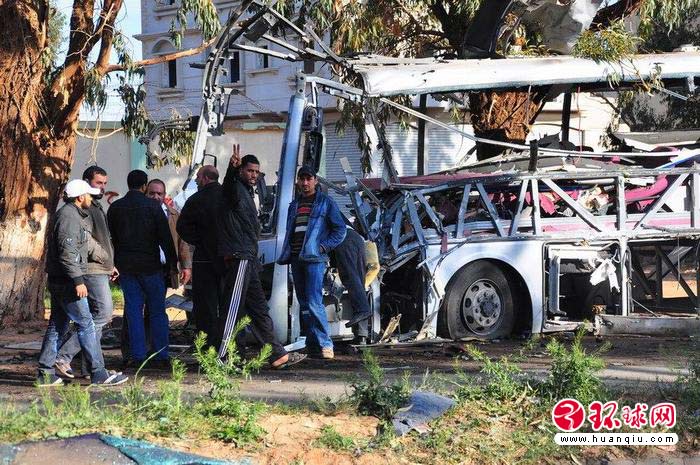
<point x="118" y="155"/>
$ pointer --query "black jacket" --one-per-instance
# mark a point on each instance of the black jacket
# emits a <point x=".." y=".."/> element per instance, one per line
<point x="66" y="259"/>
<point x="197" y="222"/>
<point x="100" y="261"/>
<point x="237" y="220"/>
<point x="138" y="226"/>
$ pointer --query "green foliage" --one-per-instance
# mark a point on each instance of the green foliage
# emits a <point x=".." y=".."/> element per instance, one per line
<point x="233" y="419"/>
<point x="332" y="439"/>
<point x="373" y="395"/>
<point x="612" y="44"/>
<point x="57" y="23"/>
<point x="95" y="92"/>
<point x="133" y="411"/>
<point x="504" y="380"/>
<point x="574" y="372"/>
<point x="205" y="16"/>
<point x="667" y="14"/>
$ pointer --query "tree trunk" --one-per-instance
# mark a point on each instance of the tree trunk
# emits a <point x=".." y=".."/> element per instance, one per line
<point x="35" y="159"/>
<point x="502" y="116"/>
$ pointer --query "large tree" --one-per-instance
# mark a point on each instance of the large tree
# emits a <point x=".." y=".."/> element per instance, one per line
<point x="40" y="103"/>
<point x="494" y="29"/>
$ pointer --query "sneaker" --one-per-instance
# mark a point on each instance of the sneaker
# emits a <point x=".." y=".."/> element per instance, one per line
<point x="327" y="353"/>
<point x="48" y="381"/>
<point x="63" y="369"/>
<point x="112" y="380"/>
<point x="292" y="359"/>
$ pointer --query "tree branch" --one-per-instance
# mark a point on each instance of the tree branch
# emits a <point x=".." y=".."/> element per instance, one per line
<point x="605" y="16"/>
<point x="163" y="58"/>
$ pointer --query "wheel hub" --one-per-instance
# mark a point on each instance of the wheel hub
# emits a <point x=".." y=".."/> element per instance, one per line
<point x="481" y="306"/>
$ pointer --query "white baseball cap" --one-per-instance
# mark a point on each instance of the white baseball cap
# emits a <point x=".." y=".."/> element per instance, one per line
<point x="78" y="187"/>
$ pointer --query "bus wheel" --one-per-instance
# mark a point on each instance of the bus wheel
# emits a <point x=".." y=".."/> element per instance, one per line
<point x="479" y="303"/>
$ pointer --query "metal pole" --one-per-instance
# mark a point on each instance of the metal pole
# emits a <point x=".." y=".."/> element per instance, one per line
<point x="566" y="118"/>
<point x="532" y="167"/>
<point x="420" y="167"/>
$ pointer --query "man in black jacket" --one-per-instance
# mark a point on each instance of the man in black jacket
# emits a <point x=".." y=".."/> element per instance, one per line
<point x="196" y="226"/>
<point x="66" y="266"/>
<point x="139" y="232"/>
<point x="100" y="268"/>
<point x="239" y="232"/>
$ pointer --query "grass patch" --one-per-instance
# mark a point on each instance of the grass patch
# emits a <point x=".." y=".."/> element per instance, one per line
<point x="136" y="413"/>
<point x="332" y="439"/>
<point x="374" y="396"/>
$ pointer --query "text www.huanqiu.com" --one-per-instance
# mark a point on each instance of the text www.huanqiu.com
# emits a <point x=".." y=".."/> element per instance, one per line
<point x="611" y="439"/>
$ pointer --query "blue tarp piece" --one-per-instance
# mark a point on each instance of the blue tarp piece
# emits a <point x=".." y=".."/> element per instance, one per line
<point x="145" y="453"/>
<point x="423" y="407"/>
<point x="99" y="449"/>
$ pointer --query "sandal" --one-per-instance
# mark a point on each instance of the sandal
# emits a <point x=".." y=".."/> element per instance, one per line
<point x="293" y="359"/>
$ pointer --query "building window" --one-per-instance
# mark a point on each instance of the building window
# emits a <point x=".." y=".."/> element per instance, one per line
<point x="263" y="61"/>
<point x="235" y="64"/>
<point x="309" y="66"/>
<point x="168" y="70"/>
<point x="172" y="73"/>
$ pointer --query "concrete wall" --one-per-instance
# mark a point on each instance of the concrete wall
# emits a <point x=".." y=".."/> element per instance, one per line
<point x="118" y="155"/>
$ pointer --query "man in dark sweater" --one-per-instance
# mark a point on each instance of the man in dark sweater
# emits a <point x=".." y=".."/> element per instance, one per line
<point x="66" y="266"/>
<point x="196" y="226"/>
<point x="239" y="231"/>
<point x="100" y="268"/>
<point x="139" y="232"/>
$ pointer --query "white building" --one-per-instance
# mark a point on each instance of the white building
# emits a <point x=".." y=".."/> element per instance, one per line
<point x="265" y="85"/>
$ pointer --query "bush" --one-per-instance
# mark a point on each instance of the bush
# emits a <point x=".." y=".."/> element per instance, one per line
<point x="374" y="396"/>
<point x="574" y="372"/>
<point x="505" y="381"/>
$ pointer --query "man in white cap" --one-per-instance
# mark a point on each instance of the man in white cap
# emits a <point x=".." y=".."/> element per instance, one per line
<point x="66" y="265"/>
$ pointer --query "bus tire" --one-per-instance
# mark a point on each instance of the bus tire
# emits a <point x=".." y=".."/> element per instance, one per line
<point x="479" y="303"/>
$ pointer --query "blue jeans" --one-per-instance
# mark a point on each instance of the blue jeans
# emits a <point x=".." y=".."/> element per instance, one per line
<point x="101" y="307"/>
<point x="67" y="306"/>
<point x="149" y="289"/>
<point x="308" y="284"/>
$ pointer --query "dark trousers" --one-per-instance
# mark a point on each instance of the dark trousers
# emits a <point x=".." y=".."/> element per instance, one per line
<point x="351" y="263"/>
<point x="206" y="295"/>
<point x="243" y="295"/>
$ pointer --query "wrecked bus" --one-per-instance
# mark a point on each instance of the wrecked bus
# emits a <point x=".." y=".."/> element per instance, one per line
<point x="537" y="240"/>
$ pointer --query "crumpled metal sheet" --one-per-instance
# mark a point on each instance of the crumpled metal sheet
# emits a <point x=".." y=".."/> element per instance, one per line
<point x="422" y="409"/>
<point x="560" y="21"/>
<point x="99" y="449"/>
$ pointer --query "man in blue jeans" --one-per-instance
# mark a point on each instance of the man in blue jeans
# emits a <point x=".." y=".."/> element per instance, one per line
<point x="66" y="266"/>
<point x="139" y="232"/>
<point x="315" y="226"/>
<point x="100" y="269"/>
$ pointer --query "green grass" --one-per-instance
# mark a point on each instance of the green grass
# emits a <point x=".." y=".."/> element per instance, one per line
<point x="332" y="439"/>
<point x="221" y="414"/>
<point x="117" y="296"/>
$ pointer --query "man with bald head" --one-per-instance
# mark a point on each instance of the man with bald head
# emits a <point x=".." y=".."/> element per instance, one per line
<point x="197" y="226"/>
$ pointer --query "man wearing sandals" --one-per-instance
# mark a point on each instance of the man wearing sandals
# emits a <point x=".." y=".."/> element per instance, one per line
<point x="239" y="231"/>
<point x="66" y="265"/>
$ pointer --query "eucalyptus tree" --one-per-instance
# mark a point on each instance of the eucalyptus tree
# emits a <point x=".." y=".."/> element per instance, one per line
<point x="41" y="96"/>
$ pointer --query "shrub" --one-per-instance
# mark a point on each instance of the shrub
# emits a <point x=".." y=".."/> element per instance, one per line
<point x="374" y="396"/>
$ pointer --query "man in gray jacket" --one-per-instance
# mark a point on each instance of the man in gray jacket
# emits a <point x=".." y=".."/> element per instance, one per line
<point x="66" y="265"/>
<point x="100" y="269"/>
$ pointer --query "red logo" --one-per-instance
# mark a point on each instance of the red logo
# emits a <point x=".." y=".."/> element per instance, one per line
<point x="663" y="414"/>
<point x="568" y="415"/>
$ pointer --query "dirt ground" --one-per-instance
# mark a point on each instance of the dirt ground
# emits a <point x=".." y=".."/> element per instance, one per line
<point x="636" y="363"/>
